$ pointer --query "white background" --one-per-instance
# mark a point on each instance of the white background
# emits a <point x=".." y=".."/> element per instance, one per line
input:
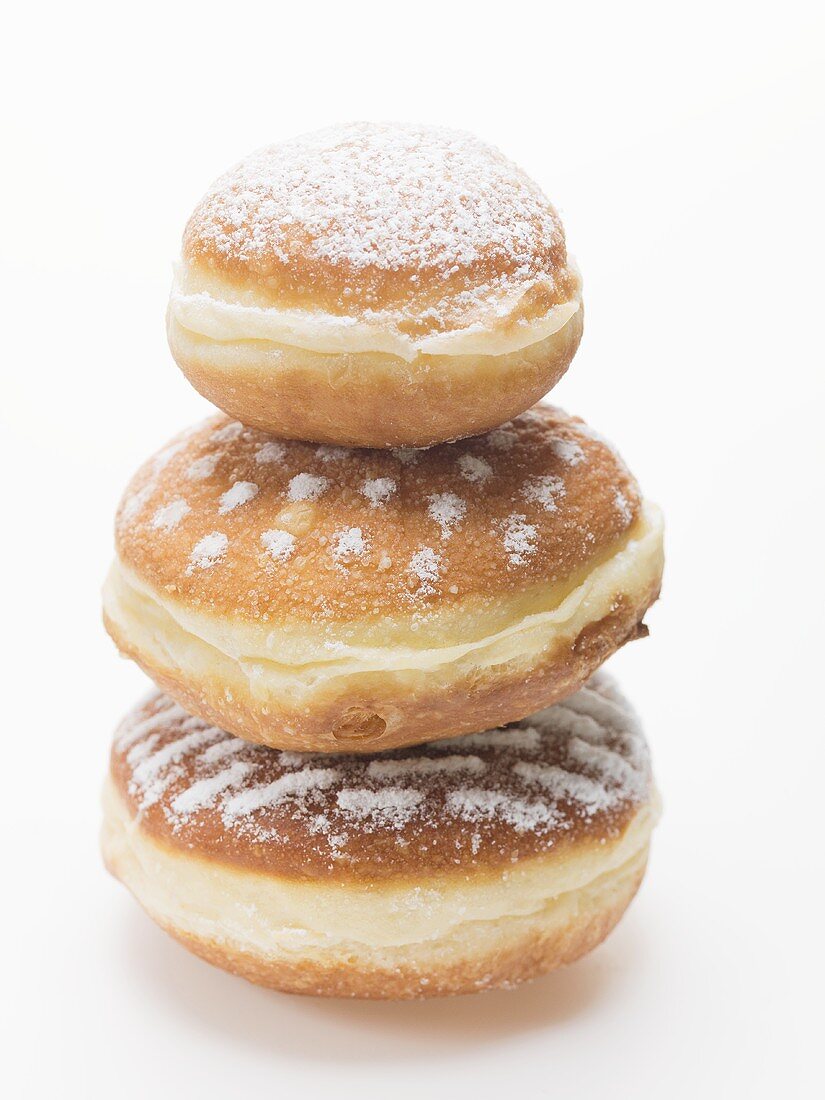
<point x="682" y="145"/>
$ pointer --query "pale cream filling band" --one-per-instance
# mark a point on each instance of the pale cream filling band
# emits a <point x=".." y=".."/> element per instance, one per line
<point x="272" y="915"/>
<point x="205" y="315"/>
<point x="273" y="662"/>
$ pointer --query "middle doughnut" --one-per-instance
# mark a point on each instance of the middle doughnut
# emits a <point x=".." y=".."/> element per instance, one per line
<point x="322" y="599"/>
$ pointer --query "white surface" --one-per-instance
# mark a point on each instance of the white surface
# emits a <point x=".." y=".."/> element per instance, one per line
<point x="681" y="144"/>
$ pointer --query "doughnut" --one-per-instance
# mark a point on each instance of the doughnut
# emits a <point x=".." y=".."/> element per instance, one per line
<point x="377" y="286"/>
<point x="321" y="599"/>
<point x="451" y="867"/>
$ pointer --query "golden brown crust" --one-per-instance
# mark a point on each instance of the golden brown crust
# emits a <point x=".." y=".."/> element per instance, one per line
<point x="324" y="535"/>
<point x="375" y="715"/>
<point x="372" y="400"/>
<point x="517" y="960"/>
<point x="363" y="218"/>
<point x="567" y="779"/>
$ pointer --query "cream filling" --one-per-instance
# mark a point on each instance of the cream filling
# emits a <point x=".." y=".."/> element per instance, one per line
<point x="298" y="660"/>
<point x="274" y="915"/>
<point x="314" y="330"/>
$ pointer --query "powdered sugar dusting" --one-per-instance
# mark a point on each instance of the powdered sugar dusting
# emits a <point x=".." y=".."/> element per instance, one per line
<point x="425" y="564"/>
<point x="544" y="490"/>
<point x="382" y="196"/>
<point x="348" y="544"/>
<point x="377" y="490"/>
<point x="474" y="469"/>
<point x="280" y="545"/>
<point x="520" y="539"/>
<point x="228" y="433"/>
<point x="203" y="467"/>
<point x="293" y="785"/>
<point x="392" y="806"/>
<point x="240" y="493"/>
<point x="577" y="763"/>
<point x="392" y="769"/>
<point x="168" y="516"/>
<point x="623" y="506"/>
<point x="447" y="510"/>
<point x="568" y="450"/>
<point x="271" y="453"/>
<point x="208" y="551"/>
<point x="307" y="487"/>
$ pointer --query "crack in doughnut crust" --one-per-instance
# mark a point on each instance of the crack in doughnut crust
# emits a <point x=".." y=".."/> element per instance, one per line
<point x="376" y="285"/>
<point x="314" y="598"/>
<point x="450" y="867"/>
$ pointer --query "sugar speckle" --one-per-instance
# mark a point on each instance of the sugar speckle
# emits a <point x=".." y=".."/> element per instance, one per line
<point x="228" y="433"/>
<point x="204" y="466"/>
<point x="348" y="544"/>
<point x="239" y="493"/>
<point x="520" y="539"/>
<point x="447" y="510"/>
<point x="271" y="453"/>
<point x="568" y="450"/>
<point x="425" y="564"/>
<point x="208" y="551"/>
<point x="545" y="491"/>
<point x="474" y="469"/>
<point x="307" y="487"/>
<point x="377" y="490"/>
<point x="167" y="517"/>
<point x="280" y="545"/>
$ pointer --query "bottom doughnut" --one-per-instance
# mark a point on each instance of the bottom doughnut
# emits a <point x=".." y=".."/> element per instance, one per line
<point x="452" y="867"/>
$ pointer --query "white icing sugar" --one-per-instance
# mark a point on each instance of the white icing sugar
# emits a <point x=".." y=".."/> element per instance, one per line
<point x="377" y="490"/>
<point x="447" y="510"/>
<point x="477" y="804"/>
<point x="562" y="784"/>
<point x="220" y="751"/>
<point x="545" y="491"/>
<point x="204" y="466"/>
<point x="289" y="786"/>
<point x="501" y="439"/>
<point x="208" y="551"/>
<point x="133" y="503"/>
<point x="516" y="739"/>
<point x="307" y="487"/>
<point x="270" y="454"/>
<point x="426" y="565"/>
<point x="348" y="544"/>
<point x="568" y="450"/>
<point x="168" y="516"/>
<point x="228" y="433"/>
<point x="329" y="453"/>
<point x="393" y="806"/>
<point x="520" y="539"/>
<point x="573" y="761"/>
<point x="623" y="506"/>
<point x="382" y="196"/>
<point x="278" y="544"/>
<point x="394" y="769"/>
<point x="134" y="729"/>
<point x="474" y="469"/>
<point x="205" y="791"/>
<point x="148" y="781"/>
<point x="239" y="493"/>
<point x="164" y="457"/>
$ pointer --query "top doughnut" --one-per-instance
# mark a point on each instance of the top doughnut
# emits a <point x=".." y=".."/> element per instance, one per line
<point x="375" y="285"/>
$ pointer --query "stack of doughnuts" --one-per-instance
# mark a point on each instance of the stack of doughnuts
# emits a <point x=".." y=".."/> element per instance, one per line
<point x="376" y="591"/>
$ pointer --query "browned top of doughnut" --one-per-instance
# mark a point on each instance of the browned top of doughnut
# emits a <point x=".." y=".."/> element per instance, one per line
<point x="230" y="520"/>
<point x="574" y="773"/>
<point x="364" y="218"/>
